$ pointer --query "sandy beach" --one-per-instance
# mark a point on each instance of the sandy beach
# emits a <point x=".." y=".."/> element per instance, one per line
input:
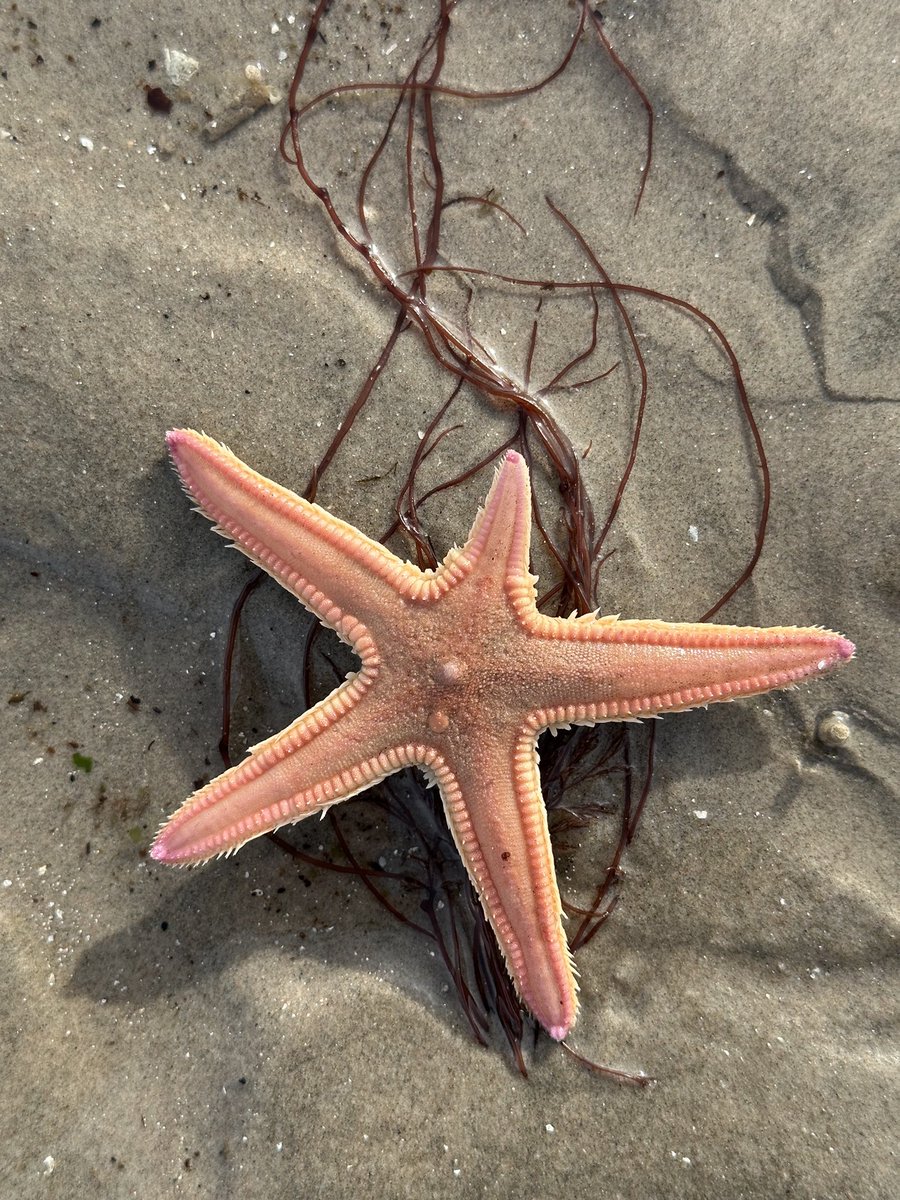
<point x="259" y="1028"/>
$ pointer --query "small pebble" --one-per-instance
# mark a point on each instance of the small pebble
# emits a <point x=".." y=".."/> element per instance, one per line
<point x="833" y="730"/>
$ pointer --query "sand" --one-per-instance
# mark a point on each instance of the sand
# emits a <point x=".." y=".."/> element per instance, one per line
<point x="254" y="1029"/>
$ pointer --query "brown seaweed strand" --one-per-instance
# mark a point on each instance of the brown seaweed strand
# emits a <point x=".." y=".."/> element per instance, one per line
<point x="639" y="92"/>
<point x="625" y="318"/>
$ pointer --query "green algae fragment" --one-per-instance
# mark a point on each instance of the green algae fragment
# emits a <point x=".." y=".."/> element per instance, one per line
<point x="83" y="762"/>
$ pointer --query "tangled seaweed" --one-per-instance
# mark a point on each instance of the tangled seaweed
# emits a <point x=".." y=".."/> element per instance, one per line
<point x="392" y="213"/>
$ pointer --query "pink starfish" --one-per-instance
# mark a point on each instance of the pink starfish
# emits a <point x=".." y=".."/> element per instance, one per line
<point x="460" y="674"/>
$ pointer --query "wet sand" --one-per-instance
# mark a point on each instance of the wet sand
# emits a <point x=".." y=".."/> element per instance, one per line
<point x="255" y="1029"/>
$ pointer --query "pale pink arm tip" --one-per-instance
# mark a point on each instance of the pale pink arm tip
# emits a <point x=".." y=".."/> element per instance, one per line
<point x="846" y="649"/>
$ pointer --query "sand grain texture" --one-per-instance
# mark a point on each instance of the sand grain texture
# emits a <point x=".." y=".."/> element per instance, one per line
<point x="248" y="1031"/>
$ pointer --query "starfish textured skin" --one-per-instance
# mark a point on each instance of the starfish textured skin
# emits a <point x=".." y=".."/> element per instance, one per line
<point x="459" y="675"/>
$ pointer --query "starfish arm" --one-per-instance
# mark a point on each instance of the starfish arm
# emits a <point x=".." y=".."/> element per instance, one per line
<point x="325" y="562"/>
<point x="605" y="670"/>
<point x="501" y="533"/>
<point x="493" y="804"/>
<point x="330" y="753"/>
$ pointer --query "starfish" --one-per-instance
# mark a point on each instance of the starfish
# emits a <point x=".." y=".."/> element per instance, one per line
<point x="460" y="673"/>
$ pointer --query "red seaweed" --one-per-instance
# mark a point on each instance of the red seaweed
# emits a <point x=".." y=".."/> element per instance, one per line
<point x="588" y="775"/>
